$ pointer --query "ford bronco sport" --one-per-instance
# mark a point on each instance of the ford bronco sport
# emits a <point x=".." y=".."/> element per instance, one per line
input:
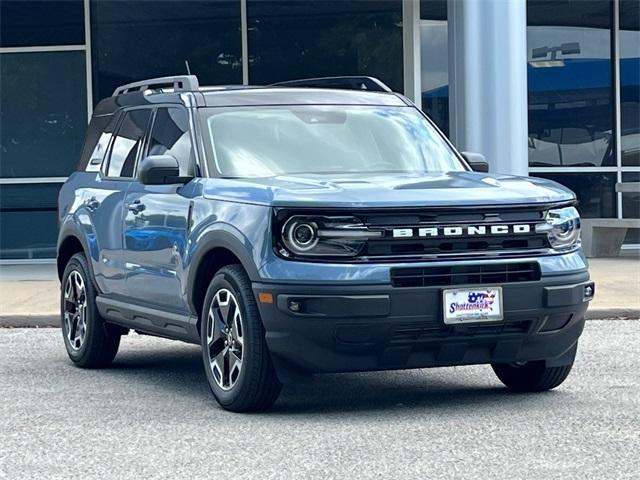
<point x="290" y="229"/>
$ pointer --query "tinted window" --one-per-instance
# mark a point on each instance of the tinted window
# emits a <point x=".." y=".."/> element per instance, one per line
<point x="166" y="33"/>
<point x="28" y="219"/>
<point x="631" y="200"/>
<point x="126" y="143"/>
<point x="434" y="54"/>
<point x="170" y="135"/>
<point x="96" y="143"/>
<point x="303" y="39"/>
<point x="43" y="112"/>
<point x="595" y="191"/>
<point x="28" y="23"/>
<point x="570" y="83"/>
<point x="630" y="83"/>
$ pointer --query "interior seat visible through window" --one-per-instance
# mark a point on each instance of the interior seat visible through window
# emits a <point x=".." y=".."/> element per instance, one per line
<point x="127" y="143"/>
<point x="170" y="136"/>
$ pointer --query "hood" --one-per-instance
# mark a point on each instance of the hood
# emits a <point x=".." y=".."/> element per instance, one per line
<point x="377" y="191"/>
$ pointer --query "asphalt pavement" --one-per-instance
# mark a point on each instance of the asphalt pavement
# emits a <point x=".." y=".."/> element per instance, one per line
<point x="151" y="416"/>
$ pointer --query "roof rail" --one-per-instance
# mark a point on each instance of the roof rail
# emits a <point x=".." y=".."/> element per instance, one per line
<point x="180" y="83"/>
<point x="371" y="84"/>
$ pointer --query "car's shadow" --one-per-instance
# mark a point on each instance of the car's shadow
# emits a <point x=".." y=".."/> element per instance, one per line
<point x="180" y="371"/>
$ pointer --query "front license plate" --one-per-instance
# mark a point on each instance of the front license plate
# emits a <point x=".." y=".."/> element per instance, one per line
<point x="470" y="305"/>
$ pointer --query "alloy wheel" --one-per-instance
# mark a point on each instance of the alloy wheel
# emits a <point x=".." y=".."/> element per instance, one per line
<point x="225" y="343"/>
<point x="75" y="310"/>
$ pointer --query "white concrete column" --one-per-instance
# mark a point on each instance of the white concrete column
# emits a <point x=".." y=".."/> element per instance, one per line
<point x="411" y="50"/>
<point x="488" y="81"/>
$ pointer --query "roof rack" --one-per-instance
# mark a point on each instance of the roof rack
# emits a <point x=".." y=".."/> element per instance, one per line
<point x="181" y="83"/>
<point x="371" y="84"/>
<point x="189" y="83"/>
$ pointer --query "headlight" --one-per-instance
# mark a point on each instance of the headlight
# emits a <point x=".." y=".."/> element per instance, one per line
<point x="562" y="227"/>
<point x="301" y="236"/>
<point x="324" y="236"/>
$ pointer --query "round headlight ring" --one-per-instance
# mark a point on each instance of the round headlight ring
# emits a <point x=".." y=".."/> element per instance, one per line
<point x="301" y="236"/>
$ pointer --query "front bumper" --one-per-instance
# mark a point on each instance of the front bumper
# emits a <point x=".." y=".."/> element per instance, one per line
<point x="374" y="327"/>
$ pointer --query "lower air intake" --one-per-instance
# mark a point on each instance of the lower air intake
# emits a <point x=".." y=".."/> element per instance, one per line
<point x="465" y="274"/>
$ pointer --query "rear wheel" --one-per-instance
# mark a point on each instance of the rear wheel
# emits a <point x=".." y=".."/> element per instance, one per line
<point x="235" y="354"/>
<point x="533" y="376"/>
<point x="90" y="342"/>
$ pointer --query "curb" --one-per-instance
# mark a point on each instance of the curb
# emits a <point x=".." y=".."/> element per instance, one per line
<point x="30" y="321"/>
<point x="53" y="320"/>
<point x="612" y="313"/>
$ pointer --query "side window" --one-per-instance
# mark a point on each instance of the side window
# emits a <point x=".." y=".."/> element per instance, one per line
<point x="170" y="136"/>
<point x="96" y="143"/>
<point x="127" y="143"/>
<point x="96" y="159"/>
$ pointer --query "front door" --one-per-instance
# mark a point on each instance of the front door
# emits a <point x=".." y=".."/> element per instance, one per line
<point x="156" y="220"/>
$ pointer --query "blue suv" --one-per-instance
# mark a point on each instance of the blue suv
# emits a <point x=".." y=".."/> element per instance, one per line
<point x="323" y="225"/>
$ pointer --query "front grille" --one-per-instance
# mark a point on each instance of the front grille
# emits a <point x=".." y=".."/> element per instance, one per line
<point x="465" y="274"/>
<point x="416" y="247"/>
<point x="432" y="233"/>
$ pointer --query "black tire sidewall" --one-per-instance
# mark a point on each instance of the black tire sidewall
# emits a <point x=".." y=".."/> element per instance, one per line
<point x="228" y="280"/>
<point x="78" y="263"/>
<point x="534" y="376"/>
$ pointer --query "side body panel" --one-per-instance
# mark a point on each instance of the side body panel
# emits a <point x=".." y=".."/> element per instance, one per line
<point x="155" y="241"/>
<point x="94" y="207"/>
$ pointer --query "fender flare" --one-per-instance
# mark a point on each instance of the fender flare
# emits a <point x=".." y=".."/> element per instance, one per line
<point x="219" y="238"/>
<point x="71" y="229"/>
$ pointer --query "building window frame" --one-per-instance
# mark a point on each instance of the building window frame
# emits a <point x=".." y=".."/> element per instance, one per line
<point x="618" y="169"/>
<point x="86" y="48"/>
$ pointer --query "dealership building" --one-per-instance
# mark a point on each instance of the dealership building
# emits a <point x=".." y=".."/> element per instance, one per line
<point x="548" y="88"/>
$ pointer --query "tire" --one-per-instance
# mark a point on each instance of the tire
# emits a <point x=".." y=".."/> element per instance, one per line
<point x="240" y="372"/>
<point x="531" y="376"/>
<point x="90" y="342"/>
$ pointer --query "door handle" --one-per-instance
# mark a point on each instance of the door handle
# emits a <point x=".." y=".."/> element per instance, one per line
<point x="136" y="207"/>
<point x="92" y="204"/>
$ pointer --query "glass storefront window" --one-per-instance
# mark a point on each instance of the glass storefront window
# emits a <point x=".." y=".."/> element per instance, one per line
<point x="29" y="23"/>
<point x="302" y="39"/>
<point x="570" y="83"/>
<point x="434" y="52"/>
<point x="43" y="112"/>
<point x="630" y="82"/>
<point x="595" y="191"/>
<point x="631" y="200"/>
<point x="28" y="221"/>
<point x="135" y="40"/>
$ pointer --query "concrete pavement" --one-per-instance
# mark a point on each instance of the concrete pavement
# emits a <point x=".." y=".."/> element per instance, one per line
<point x="29" y="294"/>
<point x="151" y="416"/>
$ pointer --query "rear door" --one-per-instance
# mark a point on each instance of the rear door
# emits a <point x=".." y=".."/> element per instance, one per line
<point x="105" y="200"/>
<point x="157" y="217"/>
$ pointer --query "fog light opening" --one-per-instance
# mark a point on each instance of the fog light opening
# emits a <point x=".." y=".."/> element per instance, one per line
<point x="295" y="306"/>
<point x="589" y="292"/>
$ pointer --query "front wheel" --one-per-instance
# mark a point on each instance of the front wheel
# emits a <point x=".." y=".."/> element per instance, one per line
<point x="235" y="354"/>
<point x="533" y="376"/>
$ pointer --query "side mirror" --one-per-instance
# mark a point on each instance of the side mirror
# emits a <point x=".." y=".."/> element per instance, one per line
<point x="160" y="170"/>
<point x="476" y="161"/>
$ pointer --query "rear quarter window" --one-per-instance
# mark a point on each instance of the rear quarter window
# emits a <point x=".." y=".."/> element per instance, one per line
<point x="93" y="145"/>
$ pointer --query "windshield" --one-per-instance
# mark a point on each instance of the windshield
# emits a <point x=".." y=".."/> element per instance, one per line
<point x="287" y="140"/>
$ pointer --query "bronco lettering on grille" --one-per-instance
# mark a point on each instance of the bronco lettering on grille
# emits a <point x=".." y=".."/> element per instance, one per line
<point x="453" y="231"/>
